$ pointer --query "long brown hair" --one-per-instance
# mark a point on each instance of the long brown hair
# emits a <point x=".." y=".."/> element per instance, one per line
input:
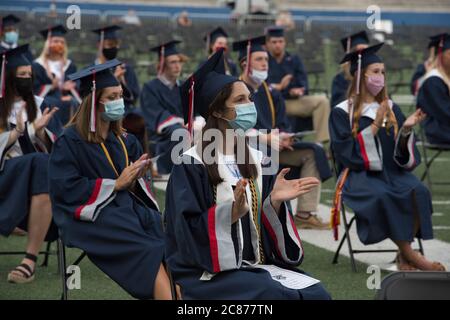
<point x="247" y="169"/>
<point x="356" y="102"/>
<point x="82" y="118"/>
<point x="7" y="101"/>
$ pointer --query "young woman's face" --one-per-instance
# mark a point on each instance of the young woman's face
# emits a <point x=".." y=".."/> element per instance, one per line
<point x="239" y="95"/>
<point x="24" y="72"/>
<point x="220" y="42"/>
<point x="110" y="94"/>
<point x="446" y="60"/>
<point x="375" y="69"/>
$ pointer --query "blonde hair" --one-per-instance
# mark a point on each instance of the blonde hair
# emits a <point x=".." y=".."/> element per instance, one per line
<point x="82" y="118"/>
<point x="436" y="63"/>
<point x="356" y="104"/>
<point x="46" y="52"/>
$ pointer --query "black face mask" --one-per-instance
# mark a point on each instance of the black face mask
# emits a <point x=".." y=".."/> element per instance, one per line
<point x="24" y="86"/>
<point x="110" y="53"/>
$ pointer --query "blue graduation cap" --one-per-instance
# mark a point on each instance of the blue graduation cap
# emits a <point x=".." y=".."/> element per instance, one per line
<point x="201" y="88"/>
<point x="353" y="40"/>
<point x="248" y="46"/>
<point x="164" y="50"/>
<point x="274" y="31"/>
<point x="93" y="77"/>
<point x="361" y="59"/>
<point x="54" y="31"/>
<point x="108" y="33"/>
<point x="10" y="59"/>
<point x="9" y="20"/>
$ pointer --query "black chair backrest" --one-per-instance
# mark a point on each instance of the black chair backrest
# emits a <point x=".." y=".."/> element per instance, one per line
<point x="415" y="286"/>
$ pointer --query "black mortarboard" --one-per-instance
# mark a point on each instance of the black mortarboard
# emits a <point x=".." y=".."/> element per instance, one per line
<point x="108" y="32"/>
<point x="9" y="20"/>
<point x="213" y="35"/>
<point x="361" y="59"/>
<point x="10" y="59"/>
<point x="275" y="31"/>
<point x="200" y="90"/>
<point x="353" y="40"/>
<point x="96" y="76"/>
<point x="55" y="31"/>
<point x="164" y="50"/>
<point x="245" y="47"/>
<point x="441" y="40"/>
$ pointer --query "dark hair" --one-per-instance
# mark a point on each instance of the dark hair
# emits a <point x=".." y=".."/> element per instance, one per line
<point x="247" y="170"/>
<point x="7" y="101"/>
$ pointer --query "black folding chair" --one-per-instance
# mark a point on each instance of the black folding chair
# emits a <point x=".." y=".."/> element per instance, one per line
<point x="439" y="149"/>
<point x="346" y="237"/>
<point x="415" y="286"/>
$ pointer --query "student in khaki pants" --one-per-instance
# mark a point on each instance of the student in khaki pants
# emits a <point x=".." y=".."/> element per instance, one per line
<point x="271" y="118"/>
<point x="287" y="75"/>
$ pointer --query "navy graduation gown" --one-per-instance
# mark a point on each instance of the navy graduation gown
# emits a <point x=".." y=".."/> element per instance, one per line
<point x="162" y="110"/>
<point x="434" y="99"/>
<point x="380" y="188"/>
<point x="418" y="73"/>
<point x="291" y="64"/>
<point x="121" y="232"/>
<point x="25" y="170"/>
<point x="266" y="120"/>
<point x="209" y="256"/>
<point x="339" y="89"/>
<point x="42" y="86"/>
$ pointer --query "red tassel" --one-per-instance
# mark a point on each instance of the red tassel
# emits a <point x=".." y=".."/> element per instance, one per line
<point x="440" y="49"/>
<point x="358" y="74"/>
<point x="2" y="76"/>
<point x="191" y="107"/>
<point x="349" y="41"/>
<point x="93" y="121"/>
<point x="249" y="47"/>
<point x="161" y="61"/>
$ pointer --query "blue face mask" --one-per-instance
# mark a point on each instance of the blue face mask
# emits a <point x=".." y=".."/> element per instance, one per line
<point x="114" y="110"/>
<point x="245" y="116"/>
<point x="11" y="37"/>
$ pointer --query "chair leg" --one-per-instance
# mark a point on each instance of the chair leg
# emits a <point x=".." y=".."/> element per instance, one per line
<point x="336" y="254"/>
<point x="46" y="254"/>
<point x="349" y="241"/>
<point x="62" y="263"/>
<point x="420" y="246"/>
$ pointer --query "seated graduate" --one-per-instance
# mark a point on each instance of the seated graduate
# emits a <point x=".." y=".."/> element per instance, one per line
<point x="308" y="157"/>
<point x="341" y="81"/>
<point x="101" y="198"/>
<point x="161" y="103"/>
<point x="434" y="95"/>
<point x="216" y="40"/>
<point x="374" y="146"/>
<point x="423" y="68"/>
<point x="51" y="69"/>
<point x="24" y="146"/>
<point x="287" y="74"/>
<point x="227" y="222"/>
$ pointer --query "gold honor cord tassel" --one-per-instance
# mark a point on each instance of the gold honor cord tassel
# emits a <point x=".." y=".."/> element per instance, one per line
<point x="108" y="156"/>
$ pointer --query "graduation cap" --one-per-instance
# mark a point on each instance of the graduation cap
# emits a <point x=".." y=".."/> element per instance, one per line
<point x="106" y="33"/>
<point x="201" y="88"/>
<point x="8" y="21"/>
<point x="164" y="50"/>
<point x="247" y="47"/>
<point x="275" y="31"/>
<point x="353" y="40"/>
<point x="96" y="76"/>
<point x="10" y="59"/>
<point x="55" y="31"/>
<point x="212" y="36"/>
<point x="360" y="59"/>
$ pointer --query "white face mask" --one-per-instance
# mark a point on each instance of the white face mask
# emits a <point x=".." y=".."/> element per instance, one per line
<point x="258" y="76"/>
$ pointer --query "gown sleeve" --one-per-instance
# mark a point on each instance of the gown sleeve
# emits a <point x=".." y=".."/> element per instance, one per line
<point x="70" y="191"/>
<point x="4" y="147"/>
<point x="203" y="230"/>
<point x="358" y="154"/>
<point x="406" y="153"/>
